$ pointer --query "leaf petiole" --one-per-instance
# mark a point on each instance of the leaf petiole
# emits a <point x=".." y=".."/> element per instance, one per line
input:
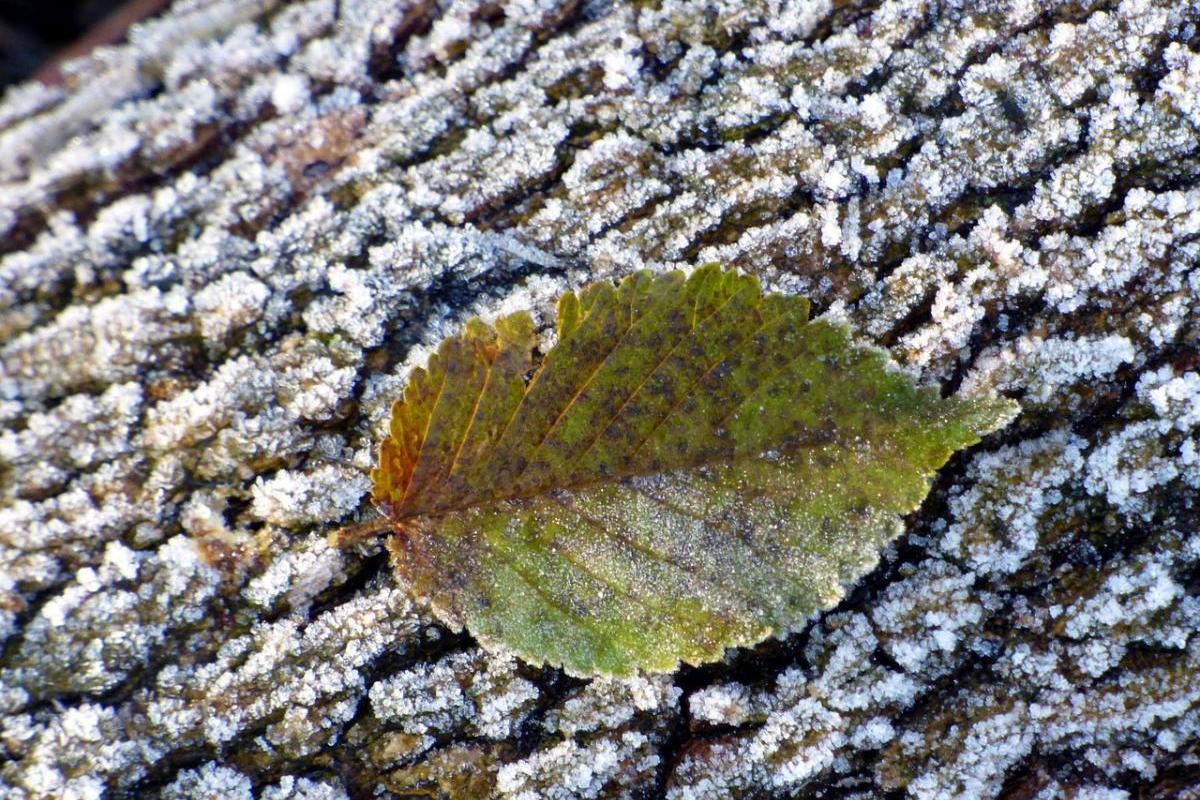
<point x="361" y="532"/>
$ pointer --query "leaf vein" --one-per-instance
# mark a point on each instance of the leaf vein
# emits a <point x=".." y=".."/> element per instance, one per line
<point x="571" y="402"/>
<point x="483" y="387"/>
<point x="425" y="437"/>
<point x="687" y="570"/>
<point x="683" y="395"/>
<point x="637" y="389"/>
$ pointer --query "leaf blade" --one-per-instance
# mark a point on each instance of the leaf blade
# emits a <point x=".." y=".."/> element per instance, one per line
<point x="693" y="466"/>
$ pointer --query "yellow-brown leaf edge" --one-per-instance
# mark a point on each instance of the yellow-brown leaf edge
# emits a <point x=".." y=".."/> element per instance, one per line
<point x="694" y="465"/>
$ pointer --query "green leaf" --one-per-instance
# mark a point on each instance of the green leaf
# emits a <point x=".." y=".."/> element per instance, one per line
<point x="693" y="466"/>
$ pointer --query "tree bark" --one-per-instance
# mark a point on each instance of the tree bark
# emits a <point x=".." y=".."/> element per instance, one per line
<point x="224" y="243"/>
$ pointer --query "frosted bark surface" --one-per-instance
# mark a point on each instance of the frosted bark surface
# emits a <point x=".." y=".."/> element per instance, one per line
<point x="224" y="244"/>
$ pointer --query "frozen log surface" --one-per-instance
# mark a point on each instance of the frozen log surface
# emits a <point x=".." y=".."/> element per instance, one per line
<point x="223" y="244"/>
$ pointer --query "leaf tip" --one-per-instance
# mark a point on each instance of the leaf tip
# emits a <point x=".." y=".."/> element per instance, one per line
<point x="987" y="413"/>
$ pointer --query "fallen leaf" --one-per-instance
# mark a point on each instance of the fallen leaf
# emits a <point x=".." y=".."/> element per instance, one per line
<point x="694" y="465"/>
